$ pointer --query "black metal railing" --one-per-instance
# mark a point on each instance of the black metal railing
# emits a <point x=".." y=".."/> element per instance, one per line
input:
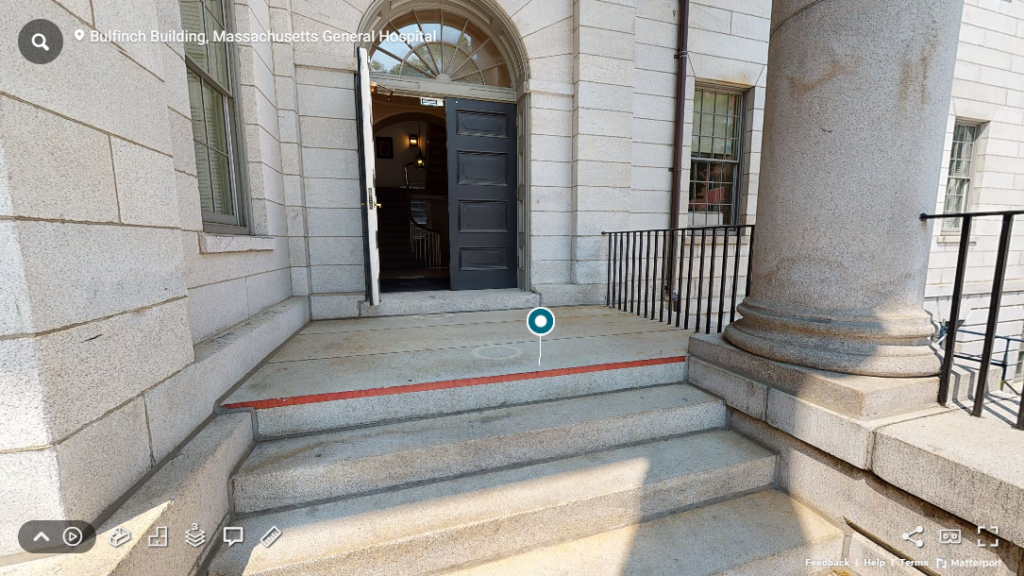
<point x="995" y="301"/>
<point x="1003" y="363"/>
<point x="675" y="275"/>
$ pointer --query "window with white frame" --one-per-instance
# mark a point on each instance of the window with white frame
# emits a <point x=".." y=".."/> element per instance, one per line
<point x="715" y="157"/>
<point x="212" y="89"/>
<point x="961" y="164"/>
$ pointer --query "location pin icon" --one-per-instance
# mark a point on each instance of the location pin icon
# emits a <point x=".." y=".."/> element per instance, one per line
<point x="540" y="322"/>
<point x="79" y="34"/>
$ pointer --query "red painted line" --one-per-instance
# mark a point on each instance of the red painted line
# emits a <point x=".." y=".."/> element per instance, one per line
<point x="444" y="384"/>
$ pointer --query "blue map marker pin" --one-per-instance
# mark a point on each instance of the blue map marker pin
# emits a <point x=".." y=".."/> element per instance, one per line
<point x="540" y="322"/>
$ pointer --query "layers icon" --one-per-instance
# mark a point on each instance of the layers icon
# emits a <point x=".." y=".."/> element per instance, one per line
<point x="195" y="537"/>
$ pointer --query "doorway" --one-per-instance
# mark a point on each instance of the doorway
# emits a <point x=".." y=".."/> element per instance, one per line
<point x="412" y="190"/>
<point x="446" y="184"/>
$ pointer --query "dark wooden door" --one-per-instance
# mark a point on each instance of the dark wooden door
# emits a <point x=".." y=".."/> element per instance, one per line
<point x="482" y="193"/>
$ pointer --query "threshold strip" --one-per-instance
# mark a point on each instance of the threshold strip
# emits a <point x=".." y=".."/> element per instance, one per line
<point x="445" y="384"/>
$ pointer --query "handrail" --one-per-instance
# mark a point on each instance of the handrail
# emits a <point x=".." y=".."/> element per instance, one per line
<point x="995" y="302"/>
<point x="719" y="227"/>
<point x="972" y="214"/>
<point x="418" y="225"/>
<point x="427" y="246"/>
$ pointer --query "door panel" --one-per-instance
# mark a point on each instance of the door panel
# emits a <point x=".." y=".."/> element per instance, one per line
<point x="482" y="193"/>
<point x="367" y="175"/>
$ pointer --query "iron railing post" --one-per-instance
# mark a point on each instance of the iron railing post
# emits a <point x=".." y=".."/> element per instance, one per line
<point x="647" y="276"/>
<point x="725" y="269"/>
<point x="711" y="280"/>
<point x="656" y="285"/>
<point x="993" y="312"/>
<point x="608" y="285"/>
<point x="619" y="262"/>
<point x="750" y="262"/>
<point x="735" y="274"/>
<point x="700" y="277"/>
<point x="954" y="311"/>
<point x="689" y="283"/>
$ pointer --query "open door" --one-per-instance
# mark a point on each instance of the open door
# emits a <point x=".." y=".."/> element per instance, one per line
<point x="482" y="178"/>
<point x="367" y="175"/>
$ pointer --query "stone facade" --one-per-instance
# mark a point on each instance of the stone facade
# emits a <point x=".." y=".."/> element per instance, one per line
<point x="987" y="91"/>
<point x="122" y="321"/>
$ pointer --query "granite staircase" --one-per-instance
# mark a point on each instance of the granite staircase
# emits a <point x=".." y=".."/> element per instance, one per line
<point x="635" y="481"/>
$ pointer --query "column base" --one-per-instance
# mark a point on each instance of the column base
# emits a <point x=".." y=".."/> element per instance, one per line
<point x="882" y="347"/>
<point x="837" y="413"/>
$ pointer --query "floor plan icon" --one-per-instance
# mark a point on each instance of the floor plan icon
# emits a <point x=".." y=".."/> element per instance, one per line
<point x="159" y="538"/>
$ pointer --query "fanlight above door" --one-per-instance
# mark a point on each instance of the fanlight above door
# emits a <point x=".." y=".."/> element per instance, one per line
<point x="452" y="48"/>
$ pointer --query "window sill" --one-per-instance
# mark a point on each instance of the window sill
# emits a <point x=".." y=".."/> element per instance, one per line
<point x="225" y="244"/>
<point x="953" y="239"/>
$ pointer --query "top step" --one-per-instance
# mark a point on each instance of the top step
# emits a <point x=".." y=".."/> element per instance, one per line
<point x="347" y="373"/>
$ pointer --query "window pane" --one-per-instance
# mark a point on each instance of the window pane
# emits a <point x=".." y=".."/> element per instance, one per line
<point x="429" y="21"/>
<point x="415" y="67"/>
<point x="718" y="148"/>
<point x="216" y="130"/>
<point x="220" y="180"/>
<point x="203" y="170"/>
<point x="731" y="146"/>
<point x="381" y="62"/>
<point x="216" y="9"/>
<point x="195" y="97"/>
<point x="192" y="21"/>
<point x="708" y="105"/>
<point x="722" y="103"/>
<point x="424" y="56"/>
<point x="453" y="24"/>
<point x="705" y="146"/>
<point x="218" y="63"/>
<point x="721" y="126"/>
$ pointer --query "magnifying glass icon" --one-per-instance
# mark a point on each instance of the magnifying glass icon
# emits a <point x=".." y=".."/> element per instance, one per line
<point x="39" y="41"/>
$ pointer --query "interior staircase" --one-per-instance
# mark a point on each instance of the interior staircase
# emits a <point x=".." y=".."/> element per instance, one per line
<point x="393" y="230"/>
<point x="637" y="481"/>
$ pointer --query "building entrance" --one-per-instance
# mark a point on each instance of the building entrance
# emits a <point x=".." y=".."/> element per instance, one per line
<point x="445" y="179"/>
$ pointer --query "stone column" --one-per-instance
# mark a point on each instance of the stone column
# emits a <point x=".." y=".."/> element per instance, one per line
<point x="857" y="100"/>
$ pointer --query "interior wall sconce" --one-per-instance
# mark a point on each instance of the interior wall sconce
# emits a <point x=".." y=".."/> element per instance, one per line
<point x="414" y="140"/>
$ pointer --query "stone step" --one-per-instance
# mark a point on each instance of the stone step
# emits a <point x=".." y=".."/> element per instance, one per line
<point x="311" y="468"/>
<point x="763" y="534"/>
<point x="349" y="373"/>
<point x="983" y="455"/>
<point x="445" y="525"/>
<point x="447" y="301"/>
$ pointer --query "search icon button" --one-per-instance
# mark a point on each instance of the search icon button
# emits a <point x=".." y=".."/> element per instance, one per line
<point x="40" y="41"/>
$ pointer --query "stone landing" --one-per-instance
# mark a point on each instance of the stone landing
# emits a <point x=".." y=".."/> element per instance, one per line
<point x="344" y="373"/>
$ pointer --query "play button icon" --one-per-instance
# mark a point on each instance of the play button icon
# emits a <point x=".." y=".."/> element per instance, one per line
<point x="72" y="536"/>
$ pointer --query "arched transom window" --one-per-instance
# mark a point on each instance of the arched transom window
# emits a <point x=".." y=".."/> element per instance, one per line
<point x="440" y="45"/>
